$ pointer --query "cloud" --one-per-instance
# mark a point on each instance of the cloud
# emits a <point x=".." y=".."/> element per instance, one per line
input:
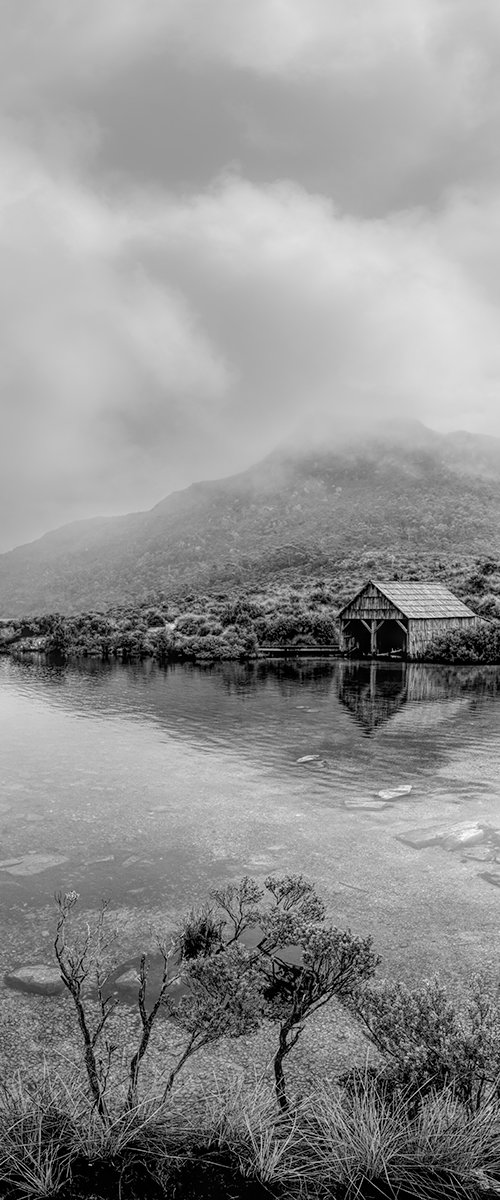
<point x="99" y="356"/>
<point x="323" y="310"/>
<point x="380" y="106"/>
<point x="266" y="36"/>
<point x="153" y="338"/>
<point x="161" y="326"/>
<point x="46" y="41"/>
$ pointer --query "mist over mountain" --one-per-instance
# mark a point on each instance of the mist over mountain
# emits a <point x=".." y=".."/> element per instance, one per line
<point x="398" y="489"/>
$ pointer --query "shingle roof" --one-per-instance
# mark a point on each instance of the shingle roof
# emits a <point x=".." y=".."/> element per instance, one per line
<point x="423" y="600"/>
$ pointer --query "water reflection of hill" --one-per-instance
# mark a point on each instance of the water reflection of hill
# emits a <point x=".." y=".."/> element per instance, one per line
<point x="374" y="692"/>
<point x="246" y="703"/>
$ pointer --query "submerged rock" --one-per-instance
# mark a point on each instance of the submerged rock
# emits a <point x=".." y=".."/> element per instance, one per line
<point x="127" y="980"/>
<point x="366" y="805"/>
<point x="484" y="853"/>
<point x="450" y="837"/>
<point x="395" y="793"/>
<point x="38" y="978"/>
<point x="422" y="837"/>
<point x="31" y="864"/>
<point x="464" y="835"/>
<point x="491" y="877"/>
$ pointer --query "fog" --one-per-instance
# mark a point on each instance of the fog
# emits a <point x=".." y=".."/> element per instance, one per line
<point x="218" y="232"/>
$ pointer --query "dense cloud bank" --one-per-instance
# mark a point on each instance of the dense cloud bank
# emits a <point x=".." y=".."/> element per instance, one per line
<point x="216" y="231"/>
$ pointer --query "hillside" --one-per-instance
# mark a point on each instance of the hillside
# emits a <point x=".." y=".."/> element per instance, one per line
<point x="400" y="492"/>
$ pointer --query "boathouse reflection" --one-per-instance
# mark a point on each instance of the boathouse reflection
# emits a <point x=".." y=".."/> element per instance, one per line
<point x="374" y="692"/>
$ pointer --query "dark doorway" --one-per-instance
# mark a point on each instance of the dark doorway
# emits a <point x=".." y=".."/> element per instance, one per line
<point x="358" y="639"/>
<point x="391" y="638"/>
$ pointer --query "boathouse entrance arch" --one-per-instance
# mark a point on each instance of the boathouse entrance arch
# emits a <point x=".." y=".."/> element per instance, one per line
<point x="371" y="637"/>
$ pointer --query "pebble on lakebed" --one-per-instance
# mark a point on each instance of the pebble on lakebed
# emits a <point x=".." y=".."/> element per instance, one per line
<point x="38" y="978"/>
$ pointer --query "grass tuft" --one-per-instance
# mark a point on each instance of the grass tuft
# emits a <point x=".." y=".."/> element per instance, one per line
<point x="350" y="1143"/>
<point x="425" y="1146"/>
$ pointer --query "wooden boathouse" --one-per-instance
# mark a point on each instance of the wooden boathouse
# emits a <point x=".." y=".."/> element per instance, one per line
<point x="398" y="619"/>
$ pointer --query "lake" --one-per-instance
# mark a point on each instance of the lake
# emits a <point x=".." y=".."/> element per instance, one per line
<point x="150" y="786"/>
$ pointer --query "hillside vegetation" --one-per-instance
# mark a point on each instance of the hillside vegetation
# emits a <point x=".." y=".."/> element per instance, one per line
<point x="236" y="623"/>
<point x="402" y="499"/>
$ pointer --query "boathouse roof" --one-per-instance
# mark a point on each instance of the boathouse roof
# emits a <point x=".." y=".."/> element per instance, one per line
<point x="420" y="601"/>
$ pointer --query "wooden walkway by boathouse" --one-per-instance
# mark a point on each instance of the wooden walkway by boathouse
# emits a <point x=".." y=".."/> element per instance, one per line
<point x="398" y="619"/>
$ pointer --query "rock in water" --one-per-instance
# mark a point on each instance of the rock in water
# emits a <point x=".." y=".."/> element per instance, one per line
<point x="393" y="793"/>
<point x="450" y="837"/>
<point x="127" y="980"/>
<point x="32" y="864"/>
<point x="463" y="835"/>
<point x="419" y="839"/>
<point x="490" y="877"/>
<point x="37" y="978"/>
<point x="366" y="805"/>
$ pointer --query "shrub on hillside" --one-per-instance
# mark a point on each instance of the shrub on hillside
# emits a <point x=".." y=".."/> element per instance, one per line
<point x="489" y="606"/>
<point x="480" y="643"/>
<point x="324" y="629"/>
<point x="239" y="612"/>
<point x="191" y="624"/>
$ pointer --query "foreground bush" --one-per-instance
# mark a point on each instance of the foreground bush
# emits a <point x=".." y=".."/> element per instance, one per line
<point x="431" y="1040"/>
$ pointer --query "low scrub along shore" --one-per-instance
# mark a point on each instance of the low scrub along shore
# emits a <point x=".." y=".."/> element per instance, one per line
<point x="421" y="1118"/>
<point x="237" y="624"/>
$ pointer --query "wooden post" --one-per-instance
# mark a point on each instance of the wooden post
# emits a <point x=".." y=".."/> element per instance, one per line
<point x="373" y="638"/>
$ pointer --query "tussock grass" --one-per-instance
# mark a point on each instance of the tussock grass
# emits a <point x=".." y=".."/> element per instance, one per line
<point x="239" y="1120"/>
<point x="348" y="1143"/>
<point x="37" y="1136"/>
<point x="420" y="1146"/>
<point x="50" y="1128"/>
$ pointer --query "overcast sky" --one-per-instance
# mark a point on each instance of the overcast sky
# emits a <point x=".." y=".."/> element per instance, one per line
<point x="220" y="218"/>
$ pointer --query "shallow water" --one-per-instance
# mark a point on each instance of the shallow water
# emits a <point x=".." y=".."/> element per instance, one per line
<point x="151" y="785"/>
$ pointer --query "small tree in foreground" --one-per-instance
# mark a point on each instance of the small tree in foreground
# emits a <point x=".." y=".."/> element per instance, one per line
<point x="301" y="963"/>
<point x="215" y="1000"/>
<point x="86" y="957"/>
<point x="254" y="954"/>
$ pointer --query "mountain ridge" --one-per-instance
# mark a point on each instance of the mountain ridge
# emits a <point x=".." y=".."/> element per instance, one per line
<point x="398" y="488"/>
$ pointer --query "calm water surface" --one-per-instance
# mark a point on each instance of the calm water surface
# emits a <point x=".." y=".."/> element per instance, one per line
<point x="150" y="785"/>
